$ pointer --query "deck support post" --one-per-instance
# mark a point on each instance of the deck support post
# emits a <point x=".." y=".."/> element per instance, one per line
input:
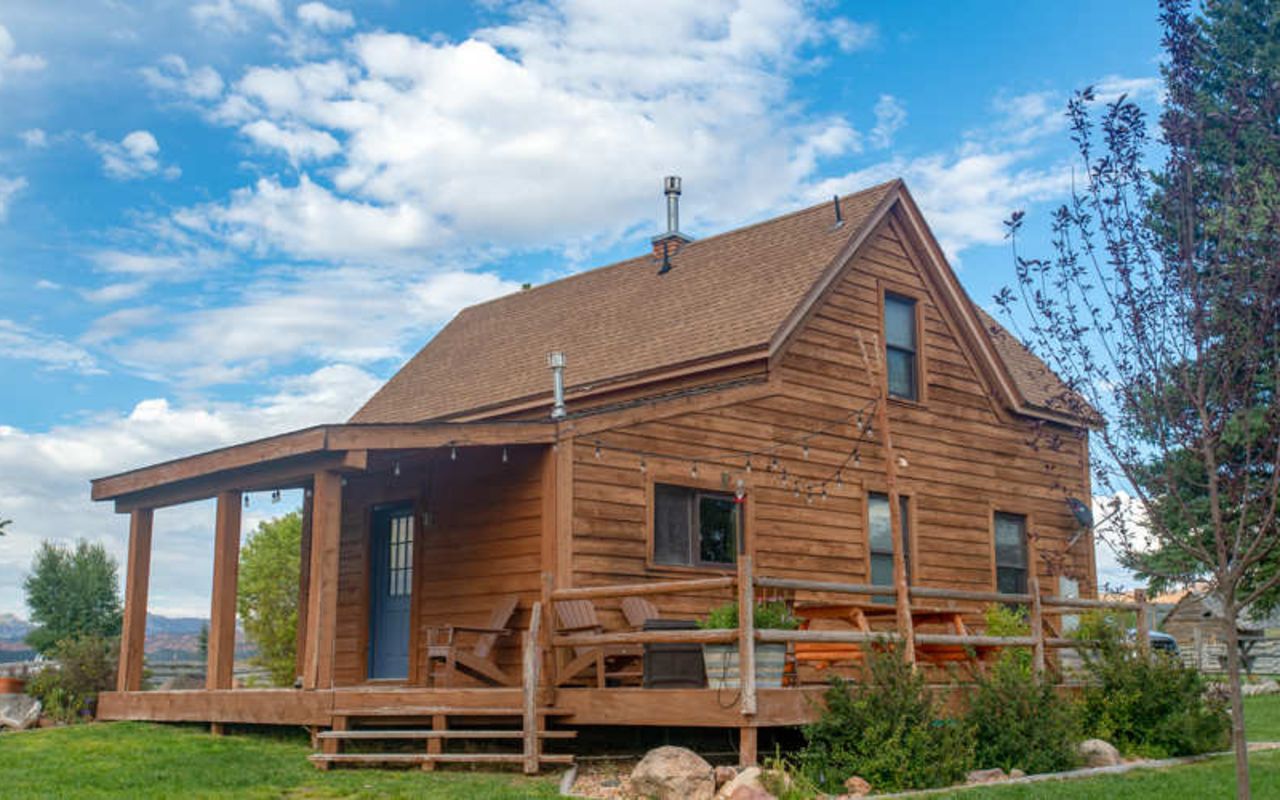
<point x="304" y="585"/>
<point x="137" y="580"/>
<point x="747" y="635"/>
<point x="747" y="744"/>
<point x="902" y="592"/>
<point x="322" y="595"/>
<point x="532" y="661"/>
<point x="1035" y="610"/>
<point x="222" y="613"/>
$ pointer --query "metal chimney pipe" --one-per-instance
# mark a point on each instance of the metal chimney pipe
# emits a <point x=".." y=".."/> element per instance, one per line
<point x="671" y="187"/>
<point x="556" y="361"/>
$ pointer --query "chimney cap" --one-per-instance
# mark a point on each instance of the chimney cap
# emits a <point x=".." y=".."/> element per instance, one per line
<point x="671" y="184"/>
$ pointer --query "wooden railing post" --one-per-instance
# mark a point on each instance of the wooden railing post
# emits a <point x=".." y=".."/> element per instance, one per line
<point x="532" y="664"/>
<point x="322" y="599"/>
<point x="137" y="579"/>
<point x="1143" y="626"/>
<point x="1036" y="619"/>
<point x="747" y="634"/>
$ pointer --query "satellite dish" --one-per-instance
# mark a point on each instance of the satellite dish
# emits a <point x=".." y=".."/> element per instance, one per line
<point x="1081" y="512"/>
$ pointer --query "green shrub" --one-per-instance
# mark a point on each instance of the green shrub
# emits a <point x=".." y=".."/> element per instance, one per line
<point x="772" y="615"/>
<point x="1006" y="620"/>
<point x="1150" y="705"/>
<point x="1020" y="721"/>
<point x="86" y="666"/>
<point x="888" y="730"/>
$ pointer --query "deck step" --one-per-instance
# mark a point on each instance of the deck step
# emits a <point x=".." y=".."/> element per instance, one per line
<point x="374" y="733"/>
<point x="434" y="758"/>
<point x="444" y="711"/>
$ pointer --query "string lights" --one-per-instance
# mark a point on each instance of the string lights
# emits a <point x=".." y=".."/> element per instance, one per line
<point x="799" y="486"/>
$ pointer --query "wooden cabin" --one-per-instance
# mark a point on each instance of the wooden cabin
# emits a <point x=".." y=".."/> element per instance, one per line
<point x="1197" y="624"/>
<point x="738" y="415"/>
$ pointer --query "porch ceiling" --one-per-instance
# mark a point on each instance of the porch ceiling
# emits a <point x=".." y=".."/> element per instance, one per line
<point x="290" y="459"/>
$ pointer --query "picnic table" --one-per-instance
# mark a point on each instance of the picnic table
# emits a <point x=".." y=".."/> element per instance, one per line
<point x="860" y="617"/>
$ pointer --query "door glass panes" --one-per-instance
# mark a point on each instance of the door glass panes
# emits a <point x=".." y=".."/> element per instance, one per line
<point x="400" y="556"/>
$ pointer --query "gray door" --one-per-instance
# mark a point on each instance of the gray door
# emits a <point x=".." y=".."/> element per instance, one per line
<point x="390" y="591"/>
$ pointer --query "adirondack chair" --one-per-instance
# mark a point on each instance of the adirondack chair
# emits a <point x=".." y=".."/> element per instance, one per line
<point x="638" y="611"/>
<point x="608" y="662"/>
<point x="444" y="645"/>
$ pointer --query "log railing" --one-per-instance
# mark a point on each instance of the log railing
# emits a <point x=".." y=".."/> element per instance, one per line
<point x="745" y="583"/>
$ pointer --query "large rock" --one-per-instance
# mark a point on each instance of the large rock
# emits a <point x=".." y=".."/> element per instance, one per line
<point x="857" y="786"/>
<point x="1098" y="753"/>
<point x="674" y="773"/>
<point x="750" y="793"/>
<point x="724" y="775"/>
<point x="985" y="776"/>
<point x="748" y="785"/>
<point x="18" y="711"/>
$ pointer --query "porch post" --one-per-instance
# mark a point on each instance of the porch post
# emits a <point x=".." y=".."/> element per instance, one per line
<point x="304" y="587"/>
<point x="222" y="611"/>
<point x="322" y="599"/>
<point x="137" y="579"/>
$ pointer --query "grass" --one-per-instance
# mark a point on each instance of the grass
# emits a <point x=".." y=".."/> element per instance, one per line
<point x="140" y="760"/>
<point x="1262" y="718"/>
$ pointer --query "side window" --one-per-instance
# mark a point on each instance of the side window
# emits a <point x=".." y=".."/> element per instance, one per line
<point x="901" y="347"/>
<point x="881" y="540"/>
<point x="1011" y="553"/>
<point x="694" y="528"/>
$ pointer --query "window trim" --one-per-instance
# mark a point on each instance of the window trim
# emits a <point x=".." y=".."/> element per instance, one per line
<point x="884" y="289"/>
<point x="703" y="483"/>
<point x="912" y="550"/>
<point x="1028" y="546"/>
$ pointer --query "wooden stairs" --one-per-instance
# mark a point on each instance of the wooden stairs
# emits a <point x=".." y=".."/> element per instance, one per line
<point x="422" y="736"/>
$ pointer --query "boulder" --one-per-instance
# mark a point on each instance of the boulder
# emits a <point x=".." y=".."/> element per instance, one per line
<point x="857" y="786"/>
<point x="1098" y="753"/>
<point x="673" y="773"/>
<point x="1017" y="773"/>
<point x="18" y="711"/>
<point x="748" y="777"/>
<point x="985" y="776"/>
<point x="750" y="793"/>
<point x="724" y="775"/>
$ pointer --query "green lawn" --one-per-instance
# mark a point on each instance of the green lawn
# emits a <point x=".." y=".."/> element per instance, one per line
<point x="138" y="760"/>
<point x="1262" y="718"/>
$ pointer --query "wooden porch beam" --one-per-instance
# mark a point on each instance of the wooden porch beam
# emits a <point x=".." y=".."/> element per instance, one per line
<point x="222" y="611"/>
<point x="322" y="600"/>
<point x="412" y="437"/>
<point x="291" y="473"/>
<point x="137" y="580"/>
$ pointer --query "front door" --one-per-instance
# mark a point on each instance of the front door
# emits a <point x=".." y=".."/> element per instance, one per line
<point x="390" y="591"/>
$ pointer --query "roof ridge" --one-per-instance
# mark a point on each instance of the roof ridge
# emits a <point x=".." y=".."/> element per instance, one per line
<point x="696" y="242"/>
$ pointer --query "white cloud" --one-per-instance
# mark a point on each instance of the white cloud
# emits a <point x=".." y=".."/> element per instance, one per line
<point x="235" y="15"/>
<point x="22" y="343"/>
<point x="34" y="138"/>
<point x="850" y="36"/>
<point x="551" y="130"/>
<point x="135" y="156"/>
<point x="44" y="477"/>
<point x="891" y="115"/>
<point x="172" y="74"/>
<point x="14" y="62"/>
<point x="298" y="143"/>
<point x="8" y="188"/>
<point x="346" y="314"/>
<point x="48" y="285"/>
<point x="323" y="17"/>
<point x="114" y="292"/>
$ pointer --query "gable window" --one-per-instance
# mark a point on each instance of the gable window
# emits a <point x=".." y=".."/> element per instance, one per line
<point x="900" y="346"/>
<point x="1011" y="553"/>
<point x="694" y="528"/>
<point x="881" y="541"/>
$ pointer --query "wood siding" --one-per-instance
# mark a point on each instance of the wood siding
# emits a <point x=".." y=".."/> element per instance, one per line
<point x="965" y="458"/>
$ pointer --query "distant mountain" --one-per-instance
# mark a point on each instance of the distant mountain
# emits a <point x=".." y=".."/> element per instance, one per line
<point x="168" y="638"/>
<point x="174" y="625"/>
<point x="13" y="627"/>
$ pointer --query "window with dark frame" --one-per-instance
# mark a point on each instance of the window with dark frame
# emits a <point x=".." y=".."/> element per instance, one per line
<point x="693" y="527"/>
<point x="400" y="555"/>
<point x="1011" y="553"/>
<point x="900" y="346"/>
<point x="880" y="537"/>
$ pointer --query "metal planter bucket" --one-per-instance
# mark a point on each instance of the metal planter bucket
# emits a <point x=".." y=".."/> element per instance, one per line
<point x="722" y="665"/>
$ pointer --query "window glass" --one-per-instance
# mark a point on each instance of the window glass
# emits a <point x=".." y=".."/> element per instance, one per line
<point x="672" y="525"/>
<point x="900" y="322"/>
<point x="900" y="346"/>
<point x="881" y="539"/>
<point x="693" y="527"/>
<point x="1011" y="553"/>
<point x="400" y="556"/>
<point x="715" y="528"/>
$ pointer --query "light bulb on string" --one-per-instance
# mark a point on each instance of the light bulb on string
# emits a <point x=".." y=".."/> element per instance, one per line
<point x="643" y="466"/>
<point x="395" y="468"/>
<point x="275" y="496"/>
<point x="246" y="501"/>
<point x="597" y="453"/>
<point x="805" y="452"/>
<point x="748" y="467"/>
<point x="453" y="453"/>
<point x="505" y="457"/>
<point x="693" y="470"/>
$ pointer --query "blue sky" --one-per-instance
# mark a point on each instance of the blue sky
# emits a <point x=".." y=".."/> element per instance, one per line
<point x="227" y="218"/>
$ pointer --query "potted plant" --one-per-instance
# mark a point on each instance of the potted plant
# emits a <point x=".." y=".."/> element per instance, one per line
<point x="721" y="660"/>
